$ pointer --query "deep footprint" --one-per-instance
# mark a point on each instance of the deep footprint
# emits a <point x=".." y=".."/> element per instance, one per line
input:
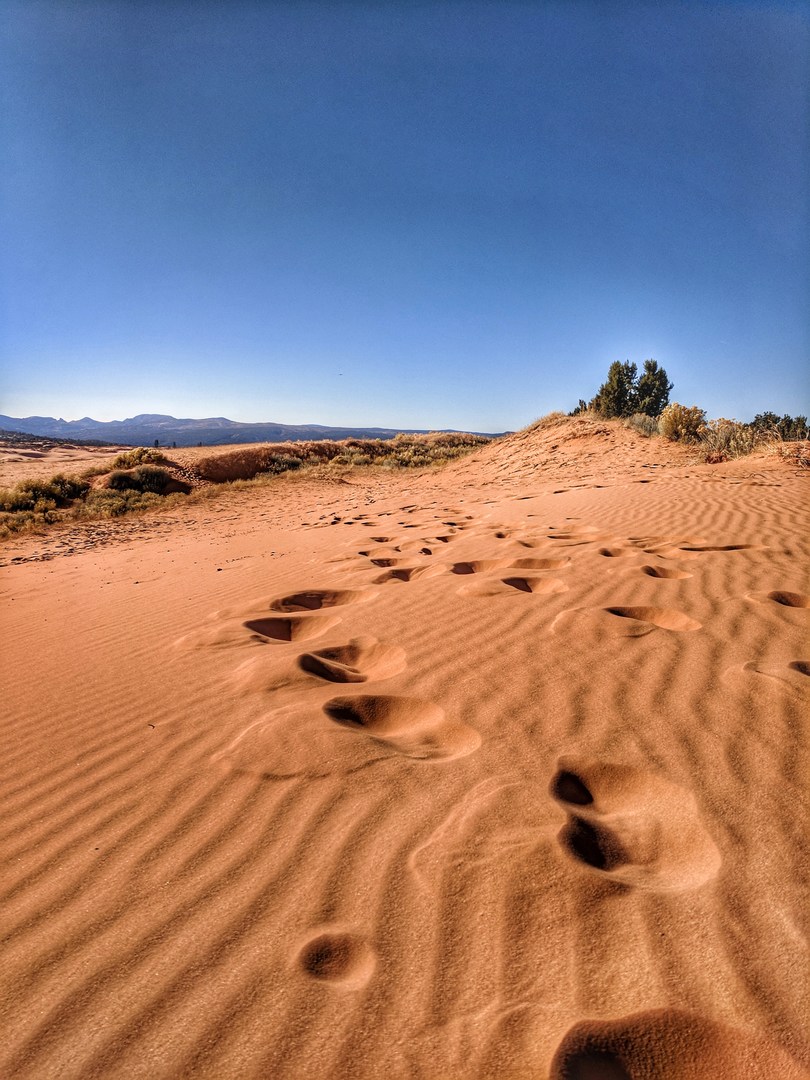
<point x="343" y="960"/>
<point x="790" y="599"/>
<point x="670" y="1043"/>
<point x="479" y="566"/>
<point x="315" y="599"/>
<point x="291" y="629"/>
<point x="362" y="659"/>
<point x="416" y="729"/>
<point x="539" y="586"/>
<point x="540" y="564"/>
<point x="633" y="827"/>
<point x="665" y="572"/>
<point x="666" y="618"/>
<point x="408" y="573"/>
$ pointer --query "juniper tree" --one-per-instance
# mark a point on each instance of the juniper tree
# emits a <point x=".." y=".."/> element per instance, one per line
<point x="617" y="395"/>
<point x="652" y="390"/>
<point x="625" y="392"/>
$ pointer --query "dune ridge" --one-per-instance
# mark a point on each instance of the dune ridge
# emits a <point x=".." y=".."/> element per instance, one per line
<point x="501" y="774"/>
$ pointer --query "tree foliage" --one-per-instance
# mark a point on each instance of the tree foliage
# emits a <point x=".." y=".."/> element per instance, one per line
<point x="624" y="392"/>
<point x="652" y="390"/>
<point x="787" y="427"/>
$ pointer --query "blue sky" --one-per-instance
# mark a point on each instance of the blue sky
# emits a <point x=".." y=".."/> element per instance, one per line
<point x="411" y="214"/>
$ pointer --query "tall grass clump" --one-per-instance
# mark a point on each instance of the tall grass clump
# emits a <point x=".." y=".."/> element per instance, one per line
<point x="642" y="424"/>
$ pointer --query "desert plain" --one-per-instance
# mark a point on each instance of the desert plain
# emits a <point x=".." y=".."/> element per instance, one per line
<point x="492" y="771"/>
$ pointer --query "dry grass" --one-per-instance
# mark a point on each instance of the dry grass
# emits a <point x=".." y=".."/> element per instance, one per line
<point x="551" y="419"/>
<point x="145" y="479"/>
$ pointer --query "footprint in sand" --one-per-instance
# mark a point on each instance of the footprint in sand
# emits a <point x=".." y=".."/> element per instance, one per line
<point x="316" y="599"/>
<point x="337" y="958"/>
<point x="302" y="627"/>
<point x="290" y="628"/>
<point x="665" y="618"/>
<point x="408" y="573"/>
<point x="666" y="573"/>
<point x="540" y="564"/>
<point x="362" y="659"/>
<point x="635" y="621"/>
<point x="783" y="598"/>
<point x="416" y="729"/>
<point x="508" y="586"/>
<point x="479" y="566"/>
<point x="633" y="827"/>
<point x="671" y="1043"/>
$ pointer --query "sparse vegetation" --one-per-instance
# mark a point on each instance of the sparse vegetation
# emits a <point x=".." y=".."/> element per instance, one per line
<point x="643" y="424"/>
<point x="549" y="420"/>
<point x="144" y="478"/>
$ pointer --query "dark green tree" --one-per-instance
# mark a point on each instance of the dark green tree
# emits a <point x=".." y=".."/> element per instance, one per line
<point x="652" y="390"/>
<point x="617" y="395"/>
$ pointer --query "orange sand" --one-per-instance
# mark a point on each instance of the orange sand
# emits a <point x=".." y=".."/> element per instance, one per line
<point x="498" y="771"/>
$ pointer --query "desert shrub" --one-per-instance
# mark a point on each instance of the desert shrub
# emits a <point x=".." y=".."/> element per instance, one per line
<point x="643" y="424"/>
<point x="682" y="423"/>
<point x="144" y="478"/>
<point x="726" y="439"/>
<point x="42" y="495"/>
<point x="23" y="521"/>
<point x="140" y="455"/>
<point x="108" y="502"/>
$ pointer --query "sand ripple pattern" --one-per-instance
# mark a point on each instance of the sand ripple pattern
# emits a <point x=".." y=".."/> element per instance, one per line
<point x="460" y="780"/>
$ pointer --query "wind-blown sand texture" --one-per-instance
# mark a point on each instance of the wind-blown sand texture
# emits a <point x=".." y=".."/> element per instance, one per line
<point x="499" y="771"/>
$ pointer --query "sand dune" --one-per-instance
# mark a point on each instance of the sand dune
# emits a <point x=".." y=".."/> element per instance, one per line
<point x="500" y="774"/>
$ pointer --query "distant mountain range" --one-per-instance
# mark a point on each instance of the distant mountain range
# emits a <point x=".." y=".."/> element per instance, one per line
<point x="144" y="429"/>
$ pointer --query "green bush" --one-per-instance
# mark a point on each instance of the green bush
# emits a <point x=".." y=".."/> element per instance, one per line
<point x="786" y="427"/>
<point x="682" y="423"/>
<point x="145" y="478"/>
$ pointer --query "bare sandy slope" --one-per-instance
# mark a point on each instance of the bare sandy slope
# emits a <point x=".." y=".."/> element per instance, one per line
<point x="40" y="460"/>
<point x="486" y="773"/>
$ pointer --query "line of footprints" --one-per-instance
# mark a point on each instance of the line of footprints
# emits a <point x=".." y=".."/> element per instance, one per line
<point x="624" y="824"/>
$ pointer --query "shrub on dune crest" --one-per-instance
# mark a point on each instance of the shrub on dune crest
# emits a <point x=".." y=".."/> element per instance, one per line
<point x="682" y="423"/>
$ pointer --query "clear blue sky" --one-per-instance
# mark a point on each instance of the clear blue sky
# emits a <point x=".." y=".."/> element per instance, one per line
<point x="410" y="214"/>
